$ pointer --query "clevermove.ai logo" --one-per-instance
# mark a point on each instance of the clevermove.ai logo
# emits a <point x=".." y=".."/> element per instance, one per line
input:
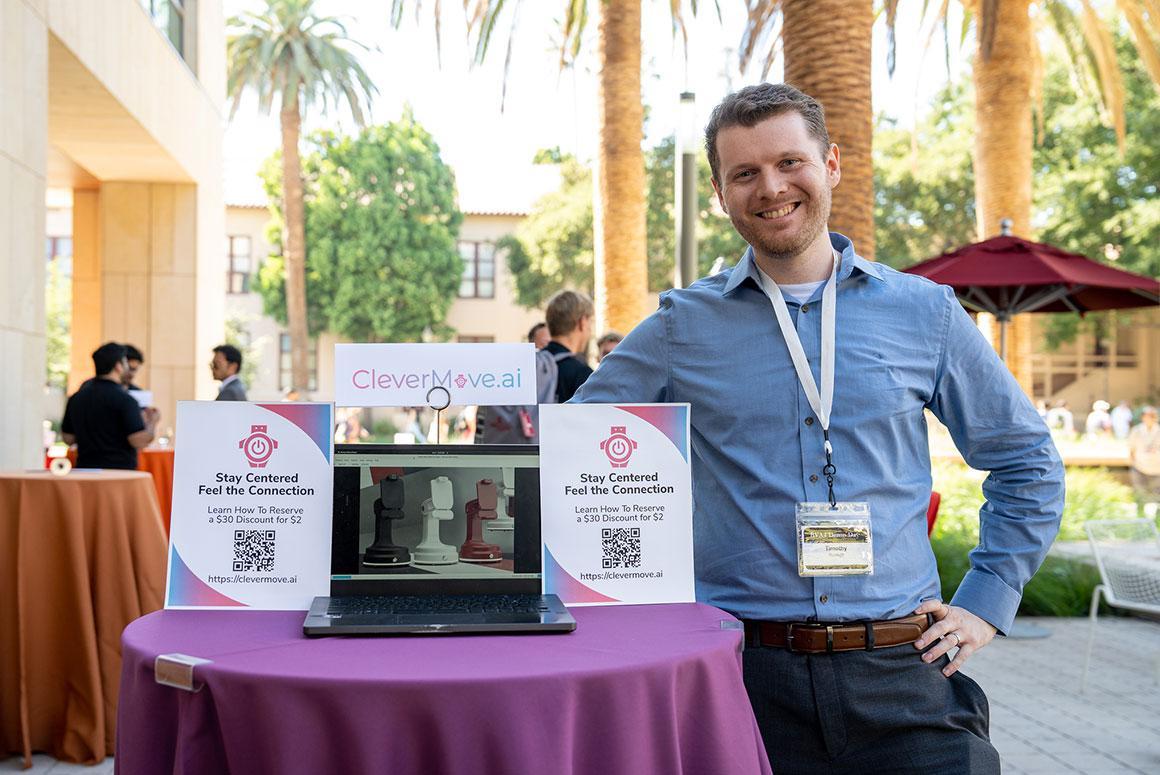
<point x="258" y="446"/>
<point x="374" y="379"/>
<point x="618" y="447"/>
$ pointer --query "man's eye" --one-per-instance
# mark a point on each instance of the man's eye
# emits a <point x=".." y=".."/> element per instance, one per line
<point x="790" y="162"/>
<point x="745" y="174"/>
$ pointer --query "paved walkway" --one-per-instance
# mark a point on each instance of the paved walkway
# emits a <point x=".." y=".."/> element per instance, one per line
<point x="1039" y="720"/>
<point x="1042" y="724"/>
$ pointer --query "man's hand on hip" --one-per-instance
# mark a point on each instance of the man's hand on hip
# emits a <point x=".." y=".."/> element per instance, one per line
<point x="953" y="627"/>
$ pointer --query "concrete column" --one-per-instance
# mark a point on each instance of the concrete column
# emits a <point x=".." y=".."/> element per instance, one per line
<point x="23" y="128"/>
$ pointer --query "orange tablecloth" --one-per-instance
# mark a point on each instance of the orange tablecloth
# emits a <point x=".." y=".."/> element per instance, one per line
<point x="81" y="556"/>
<point x="156" y="461"/>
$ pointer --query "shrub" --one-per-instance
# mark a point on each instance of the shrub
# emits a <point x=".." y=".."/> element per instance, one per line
<point x="1061" y="587"/>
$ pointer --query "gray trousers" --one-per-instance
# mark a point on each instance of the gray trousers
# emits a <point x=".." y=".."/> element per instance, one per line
<point x="881" y="711"/>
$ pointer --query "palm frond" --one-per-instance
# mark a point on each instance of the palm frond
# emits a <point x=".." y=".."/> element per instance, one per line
<point x="1103" y="50"/>
<point x="762" y="28"/>
<point x="1134" y="11"/>
<point x="891" y="8"/>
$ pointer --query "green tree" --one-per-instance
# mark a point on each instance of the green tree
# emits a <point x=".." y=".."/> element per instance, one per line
<point x="381" y="228"/>
<point x="553" y="248"/>
<point x="58" y="323"/>
<point x="290" y="53"/>
<point x="924" y="197"/>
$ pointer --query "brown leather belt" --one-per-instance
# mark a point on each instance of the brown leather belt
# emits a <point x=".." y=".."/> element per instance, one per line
<point x="819" y="638"/>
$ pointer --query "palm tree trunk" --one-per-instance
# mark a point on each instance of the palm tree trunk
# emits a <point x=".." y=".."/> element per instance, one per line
<point x="1003" y="148"/>
<point x="827" y="55"/>
<point x="619" y="207"/>
<point x="295" y="242"/>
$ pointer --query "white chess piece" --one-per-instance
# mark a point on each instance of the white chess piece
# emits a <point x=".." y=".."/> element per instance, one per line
<point x="436" y="509"/>
<point x="507" y="493"/>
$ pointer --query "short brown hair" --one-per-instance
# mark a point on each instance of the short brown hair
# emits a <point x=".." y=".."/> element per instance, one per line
<point x="753" y="104"/>
<point x="565" y="310"/>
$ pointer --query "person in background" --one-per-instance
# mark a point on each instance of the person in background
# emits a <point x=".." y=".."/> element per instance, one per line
<point x="539" y="336"/>
<point x="226" y="363"/>
<point x="1121" y="420"/>
<point x="1144" y="456"/>
<point x="570" y="317"/>
<point x="134" y="358"/>
<point x="103" y="420"/>
<point x="606" y="344"/>
<point x="1099" y="422"/>
<point x="1060" y="418"/>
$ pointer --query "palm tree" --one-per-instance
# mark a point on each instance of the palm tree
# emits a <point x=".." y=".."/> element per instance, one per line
<point x="619" y="197"/>
<point x="826" y="44"/>
<point x="290" y="53"/>
<point x="1006" y="69"/>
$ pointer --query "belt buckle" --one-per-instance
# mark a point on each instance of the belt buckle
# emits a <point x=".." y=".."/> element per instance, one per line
<point x="829" y="639"/>
<point x="789" y="637"/>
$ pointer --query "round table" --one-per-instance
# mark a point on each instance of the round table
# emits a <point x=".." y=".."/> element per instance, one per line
<point x="635" y="689"/>
<point x="155" y="461"/>
<point x="81" y="556"/>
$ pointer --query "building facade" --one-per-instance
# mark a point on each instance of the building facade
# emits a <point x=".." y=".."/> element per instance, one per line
<point x="119" y="102"/>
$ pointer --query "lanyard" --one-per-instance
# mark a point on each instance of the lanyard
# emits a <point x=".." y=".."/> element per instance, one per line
<point x="820" y="401"/>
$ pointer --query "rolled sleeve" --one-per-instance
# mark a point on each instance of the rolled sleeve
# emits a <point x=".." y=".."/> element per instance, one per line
<point x="997" y="430"/>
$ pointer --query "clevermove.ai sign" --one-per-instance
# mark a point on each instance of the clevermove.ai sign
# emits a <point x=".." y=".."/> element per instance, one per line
<point x="417" y="374"/>
<point x="252" y="505"/>
<point x="616" y="503"/>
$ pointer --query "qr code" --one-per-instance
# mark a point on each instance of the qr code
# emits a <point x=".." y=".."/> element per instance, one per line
<point x="621" y="547"/>
<point x="253" y="550"/>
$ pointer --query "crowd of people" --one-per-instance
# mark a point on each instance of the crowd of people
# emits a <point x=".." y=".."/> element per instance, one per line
<point x="110" y="417"/>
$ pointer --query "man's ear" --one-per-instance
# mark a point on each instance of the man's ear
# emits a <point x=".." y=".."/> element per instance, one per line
<point x="834" y="165"/>
<point x="720" y="196"/>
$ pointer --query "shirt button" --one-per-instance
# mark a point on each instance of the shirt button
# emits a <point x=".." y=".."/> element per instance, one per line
<point x="805" y="308"/>
<point x="824" y="599"/>
<point x="809" y="421"/>
<point x="813" y="477"/>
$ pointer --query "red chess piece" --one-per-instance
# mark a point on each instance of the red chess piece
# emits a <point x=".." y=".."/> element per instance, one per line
<point x="475" y="549"/>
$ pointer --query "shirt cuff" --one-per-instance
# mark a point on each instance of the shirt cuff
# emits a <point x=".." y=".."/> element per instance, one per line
<point x="988" y="597"/>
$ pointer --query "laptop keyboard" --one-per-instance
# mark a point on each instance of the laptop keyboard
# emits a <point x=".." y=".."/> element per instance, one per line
<point x="436" y="604"/>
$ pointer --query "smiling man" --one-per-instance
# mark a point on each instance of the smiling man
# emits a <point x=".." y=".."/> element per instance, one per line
<point x="809" y="369"/>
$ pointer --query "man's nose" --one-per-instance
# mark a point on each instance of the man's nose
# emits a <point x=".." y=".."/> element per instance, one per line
<point x="773" y="183"/>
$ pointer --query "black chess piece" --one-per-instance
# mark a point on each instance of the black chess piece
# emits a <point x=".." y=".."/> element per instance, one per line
<point x="388" y="507"/>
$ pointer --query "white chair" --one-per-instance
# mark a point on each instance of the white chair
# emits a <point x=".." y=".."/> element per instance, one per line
<point x="1127" y="554"/>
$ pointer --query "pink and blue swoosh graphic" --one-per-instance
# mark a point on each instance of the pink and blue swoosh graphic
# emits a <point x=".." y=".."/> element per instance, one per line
<point x="185" y="588"/>
<point x="313" y="419"/>
<point x="561" y="582"/>
<point x="670" y="420"/>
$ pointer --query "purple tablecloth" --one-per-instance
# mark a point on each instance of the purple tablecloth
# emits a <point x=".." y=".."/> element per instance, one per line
<point x="635" y="689"/>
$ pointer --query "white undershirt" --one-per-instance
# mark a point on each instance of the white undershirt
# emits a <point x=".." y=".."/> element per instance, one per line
<point x="799" y="292"/>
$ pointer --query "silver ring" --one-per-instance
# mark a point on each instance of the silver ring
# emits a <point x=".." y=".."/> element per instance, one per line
<point x="958" y="640"/>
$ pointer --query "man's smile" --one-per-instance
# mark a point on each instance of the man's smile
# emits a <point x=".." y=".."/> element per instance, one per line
<point x="781" y="212"/>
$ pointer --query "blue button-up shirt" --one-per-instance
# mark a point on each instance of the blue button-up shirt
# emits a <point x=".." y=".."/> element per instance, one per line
<point x="904" y="344"/>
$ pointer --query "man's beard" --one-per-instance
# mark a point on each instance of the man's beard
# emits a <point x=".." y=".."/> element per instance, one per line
<point x="789" y="245"/>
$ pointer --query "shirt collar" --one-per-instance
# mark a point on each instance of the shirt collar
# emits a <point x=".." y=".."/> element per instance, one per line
<point x="229" y="379"/>
<point x="746" y="268"/>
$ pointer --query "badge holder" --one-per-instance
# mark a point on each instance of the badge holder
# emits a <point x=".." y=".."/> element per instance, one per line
<point x="834" y="539"/>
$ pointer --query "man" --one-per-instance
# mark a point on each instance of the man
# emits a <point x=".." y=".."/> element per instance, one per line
<point x="1144" y="456"/>
<point x="606" y="344"/>
<point x="538" y="335"/>
<point x="569" y="316"/>
<point x="1121" y="420"/>
<point x="226" y="363"/>
<point x="134" y="359"/>
<point x="103" y="420"/>
<point x="846" y="673"/>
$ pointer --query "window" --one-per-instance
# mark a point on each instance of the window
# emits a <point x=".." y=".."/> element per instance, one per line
<point x="239" y="264"/>
<point x="284" y="363"/>
<point x="478" y="281"/>
<point x="474" y="339"/>
<point x="169" y="17"/>
<point x="58" y="247"/>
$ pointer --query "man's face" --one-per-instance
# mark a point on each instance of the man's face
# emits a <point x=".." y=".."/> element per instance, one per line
<point x="221" y="367"/>
<point x="775" y="184"/>
<point x="1149" y="419"/>
<point x="605" y="349"/>
<point x="542" y="338"/>
<point x="130" y="373"/>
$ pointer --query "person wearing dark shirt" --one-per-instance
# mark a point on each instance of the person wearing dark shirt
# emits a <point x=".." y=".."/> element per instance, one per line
<point x="569" y="316"/>
<point x="134" y="359"/>
<point x="103" y="420"/>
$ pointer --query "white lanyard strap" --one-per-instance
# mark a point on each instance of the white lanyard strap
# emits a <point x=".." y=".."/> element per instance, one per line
<point x="821" y="402"/>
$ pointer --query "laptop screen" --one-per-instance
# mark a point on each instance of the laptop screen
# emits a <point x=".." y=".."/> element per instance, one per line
<point x="435" y="518"/>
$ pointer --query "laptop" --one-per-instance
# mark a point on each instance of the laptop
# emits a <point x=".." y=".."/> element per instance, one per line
<point x="436" y="539"/>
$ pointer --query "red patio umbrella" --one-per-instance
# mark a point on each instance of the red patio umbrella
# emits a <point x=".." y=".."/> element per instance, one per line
<point x="1006" y="275"/>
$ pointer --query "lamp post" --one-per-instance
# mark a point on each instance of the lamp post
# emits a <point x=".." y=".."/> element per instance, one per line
<point x="685" y="177"/>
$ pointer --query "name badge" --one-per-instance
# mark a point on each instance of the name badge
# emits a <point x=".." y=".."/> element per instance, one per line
<point x="834" y="540"/>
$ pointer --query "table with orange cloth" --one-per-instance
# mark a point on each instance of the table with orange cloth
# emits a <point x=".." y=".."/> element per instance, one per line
<point x="81" y="556"/>
<point x="156" y="461"/>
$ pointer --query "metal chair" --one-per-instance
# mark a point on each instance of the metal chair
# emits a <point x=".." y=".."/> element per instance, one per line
<point x="1127" y="554"/>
